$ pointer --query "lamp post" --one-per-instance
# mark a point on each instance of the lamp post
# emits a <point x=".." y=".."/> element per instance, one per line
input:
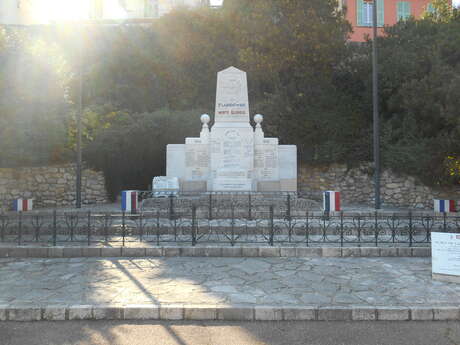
<point x="79" y="116"/>
<point x="375" y="106"/>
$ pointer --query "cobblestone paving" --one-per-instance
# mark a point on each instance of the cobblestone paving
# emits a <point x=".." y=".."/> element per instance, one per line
<point x="229" y="281"/>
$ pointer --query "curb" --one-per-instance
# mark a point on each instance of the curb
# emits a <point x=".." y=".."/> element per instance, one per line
<point x="216" y="251"/>
<point x="228" y="313"/>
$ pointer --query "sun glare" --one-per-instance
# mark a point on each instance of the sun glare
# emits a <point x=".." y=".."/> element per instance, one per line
<point x="46" y="11"/>
<point x="49" y="11"/>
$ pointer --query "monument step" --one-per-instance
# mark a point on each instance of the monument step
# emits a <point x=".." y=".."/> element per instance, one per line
<point x="209" y="251"/>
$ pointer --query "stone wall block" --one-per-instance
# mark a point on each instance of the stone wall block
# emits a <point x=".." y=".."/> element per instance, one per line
<point x="393" y="313"/>
<point x="200" y="312"/>
<point x="446" y="313"/>
<point x="234" y="313"/>
<point x="334" y="314"/>
<point x="172" y="312"/>
<point x="141" y="312"/>
<point x="356" y="186"/>
<point x="24" y="314"/>
<point x="49" y="186"/>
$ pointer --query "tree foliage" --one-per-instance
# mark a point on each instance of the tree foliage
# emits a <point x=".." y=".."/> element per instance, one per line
<point x="420" y="95"/>
<point x="130" y="153"/>
<point x="33" y="100"/>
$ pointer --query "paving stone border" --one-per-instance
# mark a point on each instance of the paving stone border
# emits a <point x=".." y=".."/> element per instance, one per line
<point x="228" y="313"/>
<point x="216" y="251"/>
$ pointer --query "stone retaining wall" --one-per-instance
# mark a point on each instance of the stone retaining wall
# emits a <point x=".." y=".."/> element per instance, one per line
<point x="50" y="186"/>
<point x="357" y="186"/>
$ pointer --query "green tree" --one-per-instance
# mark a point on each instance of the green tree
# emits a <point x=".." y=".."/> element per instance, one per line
<point x="420" y="78"/>
<point x="294" y="53"/>
<point x="439" y="11"/>
<point x="33" y="102"/>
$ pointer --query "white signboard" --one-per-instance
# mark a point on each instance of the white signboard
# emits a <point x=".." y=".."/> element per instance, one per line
<point x="164" y="186"/>
<point x="445" y="252"/>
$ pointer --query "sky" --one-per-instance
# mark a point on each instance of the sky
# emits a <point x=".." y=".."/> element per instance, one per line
<point x="44" y="11"/>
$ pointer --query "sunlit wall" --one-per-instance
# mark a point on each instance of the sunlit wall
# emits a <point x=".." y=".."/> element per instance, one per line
<point x="26" y="12"/>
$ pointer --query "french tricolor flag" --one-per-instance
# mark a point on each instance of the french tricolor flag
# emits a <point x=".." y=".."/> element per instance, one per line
<point x="444" y="206"/>
<point x="331" y="201"/>
<point x="129" y="201"/>
<point x="22" y="205"/>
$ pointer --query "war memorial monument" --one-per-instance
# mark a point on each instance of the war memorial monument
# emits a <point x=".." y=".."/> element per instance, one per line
<point x="232" y="156"/>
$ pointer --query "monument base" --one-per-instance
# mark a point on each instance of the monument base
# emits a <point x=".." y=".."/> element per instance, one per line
<point x="268" y="186"/>
<point x="446" y="278"/>
<point x="232" y="185"/>
<point x="194" y="186"/>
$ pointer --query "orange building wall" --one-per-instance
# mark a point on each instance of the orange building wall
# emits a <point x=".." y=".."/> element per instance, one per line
<point x="360" y="32"/>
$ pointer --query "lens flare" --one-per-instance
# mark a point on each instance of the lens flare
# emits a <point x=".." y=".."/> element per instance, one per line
<point x="49" y="11"/>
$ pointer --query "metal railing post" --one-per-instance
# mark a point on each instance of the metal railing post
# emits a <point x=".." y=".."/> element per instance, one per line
<point x="250" y="206"/>
<point x="88" y="224"/>
<point x="123" y="227"/>
<point x="106" y="224"/>
<point x="341" y="228"/>
<point x="210" y="207"/>
<point x="54" y="228"/>
<point x="36" y="224"/>
<point x="307" y="229"/>
<point x="158" y="228"/>
<point x="288" y="207"/>
<point x="20" y="228"/>
<point x="3" y="225"/>
<point x="232" y="241"/>
<point x="410" y="229"/>
<point x="141" y="227"/>
<point x="444" y="217"/>
<point x="272" y="230"/>
<point x="171" y="208"/>
<point x="70" y="223"/>
<point x="193" y="225"/>
<point x="376" y="228"/>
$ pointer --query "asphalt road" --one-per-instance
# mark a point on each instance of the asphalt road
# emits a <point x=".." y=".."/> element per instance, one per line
<point x="229" y="333"/>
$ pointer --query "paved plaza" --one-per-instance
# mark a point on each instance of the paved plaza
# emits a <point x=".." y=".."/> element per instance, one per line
<point x="224" y="281"/>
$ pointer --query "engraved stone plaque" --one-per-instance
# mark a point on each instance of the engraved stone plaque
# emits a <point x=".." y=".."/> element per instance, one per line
<point x="266" y="162"/>
<point x="197" y="161"/>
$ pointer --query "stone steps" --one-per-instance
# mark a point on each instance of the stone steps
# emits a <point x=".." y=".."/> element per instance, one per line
<point x="209" y="251"/>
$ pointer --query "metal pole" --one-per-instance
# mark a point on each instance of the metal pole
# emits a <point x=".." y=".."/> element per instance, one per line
<point x="79" y="116"/>
<point x="375" y="109"/>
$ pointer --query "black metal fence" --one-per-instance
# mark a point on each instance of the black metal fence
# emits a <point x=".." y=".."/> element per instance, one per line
<point x="188" y="221"/>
